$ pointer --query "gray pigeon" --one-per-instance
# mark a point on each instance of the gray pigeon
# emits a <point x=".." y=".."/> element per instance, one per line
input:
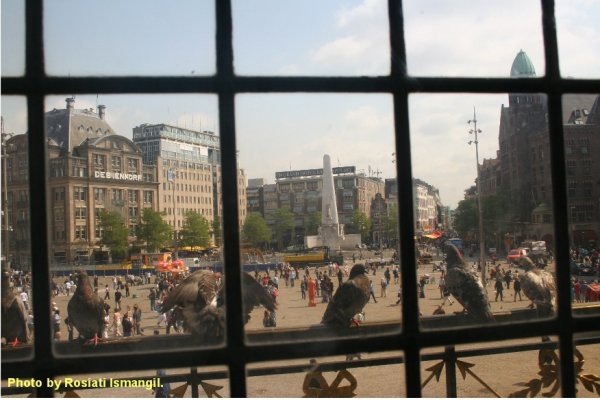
<point x="349" y="299"/>
<point x="539" y="287"/>
<point x="86" y="309"/>
<point x="202" y="302"/>
<point x="466" y="287"/>
<point x="14" y="316"/>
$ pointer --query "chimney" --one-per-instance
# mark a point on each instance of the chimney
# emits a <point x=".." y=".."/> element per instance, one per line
<point x="101" y="111"/>
<point x="70" y="103"/>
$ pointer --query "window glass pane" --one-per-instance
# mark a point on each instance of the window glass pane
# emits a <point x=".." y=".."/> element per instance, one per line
<point x="530" y="368"/>
<point x="507" y="136"/>
<point x="129" y="38"/>
<point x="311" y="37"/>
<point x="581" y="127"/>
<point x="586" y="357"/>
<point x="143" y="216"/>
<point x="17" y="318"/>
<point x="577" y="33"/>
<point x="321" y="200"/>
<point x="471" y="38"/>
<point x="361" y="375"/>
<point x="13" y="38"/>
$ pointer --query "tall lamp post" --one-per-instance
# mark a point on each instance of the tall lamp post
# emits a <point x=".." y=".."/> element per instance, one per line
<point x="171" y="174"/>
<point x="474" y="132"/>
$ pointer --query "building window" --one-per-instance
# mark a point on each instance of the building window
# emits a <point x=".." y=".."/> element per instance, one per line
<point x="133" y="196"/>
<point x="79" y="193"/>
<point x="80" y="233"/>
<point x="99" y="194"/>
<point x="148" y="196"/>
<point x="116" y="163"/>
<point x="80" y="213"/>
<point x="99" y="160"/>
<point x="59" y="194"/>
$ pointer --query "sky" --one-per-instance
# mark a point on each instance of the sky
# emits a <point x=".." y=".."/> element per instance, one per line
<point x="310" y="37"/>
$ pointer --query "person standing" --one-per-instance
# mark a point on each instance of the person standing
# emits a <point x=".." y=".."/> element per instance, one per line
<point x="127" y="325"/>
<point x="152" y="297"/>
<point x="312" y="292"/>
<point x="117" y="322"/>
<point x="442" y="286"/>
<point x="499" y="287"/>
<point x="517" y="287"/>
<point x="118" y="296"/>
<point x="137" y="320"/>
<point x="106" y="293"/>
<point x="340" y="276"/>
<point x="25" y="299"/>
<point x="383" y="287"/>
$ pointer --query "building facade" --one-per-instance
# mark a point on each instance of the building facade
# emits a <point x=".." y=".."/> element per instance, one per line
<point x="301" y="192"/>
<point x="189" y="172"/>
<point x="90" y="169"/>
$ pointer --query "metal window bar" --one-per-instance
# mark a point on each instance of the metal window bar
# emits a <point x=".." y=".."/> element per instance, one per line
<point x="35" y="85"/>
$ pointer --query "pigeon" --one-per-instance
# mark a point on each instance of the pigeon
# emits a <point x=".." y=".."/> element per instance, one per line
<point x="201" y="300"/>
<point x="466" y="287"/>
<point x="86" y="310"/>
<point x="539" y="287"/>
<point x="348" y="300"/>
<point x="14" y="316"/>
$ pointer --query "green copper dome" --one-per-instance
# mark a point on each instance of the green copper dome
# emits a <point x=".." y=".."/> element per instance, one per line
<point x="522" y="66"/>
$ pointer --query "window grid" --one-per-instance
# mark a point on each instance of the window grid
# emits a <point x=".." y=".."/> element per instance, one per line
<point x="35" y="85"/>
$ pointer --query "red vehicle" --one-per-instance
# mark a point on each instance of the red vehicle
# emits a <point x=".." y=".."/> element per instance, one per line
<point x="516" y="254"/>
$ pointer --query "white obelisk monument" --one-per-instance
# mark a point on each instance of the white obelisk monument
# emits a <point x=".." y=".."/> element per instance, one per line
<point x="331" y="232"/>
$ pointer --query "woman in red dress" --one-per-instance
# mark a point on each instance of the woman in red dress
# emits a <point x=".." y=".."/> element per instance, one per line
<point x="312" y="292"/>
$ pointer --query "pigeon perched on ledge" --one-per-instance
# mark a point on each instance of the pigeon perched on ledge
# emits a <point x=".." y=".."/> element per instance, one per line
<point x="539" y="286"/>
<point x="349" y="299"/>
<point x="466" y="287"/>
<point x="202" y="302"/>
<point x="14" y="316"/>
<point x="86" y="309"/>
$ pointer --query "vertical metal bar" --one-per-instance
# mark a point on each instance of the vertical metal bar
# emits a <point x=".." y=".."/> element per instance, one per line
<point x="34" y="71"/>
<point x="410" y="311"/>
<point x="194" y="382"/>
<point x="561" y="218"/>
<point x="226" y="92"/>
<point x="450" y="362"/>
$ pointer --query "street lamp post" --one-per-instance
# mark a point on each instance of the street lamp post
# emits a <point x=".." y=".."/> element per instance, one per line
<point x="171" y="174"/>
<point x="474" y="132"/>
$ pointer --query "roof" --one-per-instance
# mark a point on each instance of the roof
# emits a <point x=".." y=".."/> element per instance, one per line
<point x="522" y="66"/>
<point x="68" y="128"/>
<point x="581" y="109"/>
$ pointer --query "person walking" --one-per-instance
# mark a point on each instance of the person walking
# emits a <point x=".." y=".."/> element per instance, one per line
<point x="118" y="296"/>
<point x="372" y="291"/>
<point x="499" y="287"/>
<point x="383" y="287"/>
<point x="106" y="293"/>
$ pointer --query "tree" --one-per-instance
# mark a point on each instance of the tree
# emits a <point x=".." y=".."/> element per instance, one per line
<point x="466" y="217"/>
<point x="154" y="230"/>
<point x="195" y="231"/>
<point x="115" y="233"/>
<point x="313" y="222"/>
<point x="255" y="230"/>
<point x="361" y="223"/>
<point x="283" y="224"/>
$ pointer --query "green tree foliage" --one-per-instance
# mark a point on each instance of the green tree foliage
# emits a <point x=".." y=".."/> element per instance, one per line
<point x="115" y="233"/>
<point x="466" y="218"/>
<point x="361" y="223"/>
<point x="154" y="230"/>
<point x="255" y="230"/>
<point x="195" y="231"/>
<point x="283" y="224"/>
<point x="313" y="222"/>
